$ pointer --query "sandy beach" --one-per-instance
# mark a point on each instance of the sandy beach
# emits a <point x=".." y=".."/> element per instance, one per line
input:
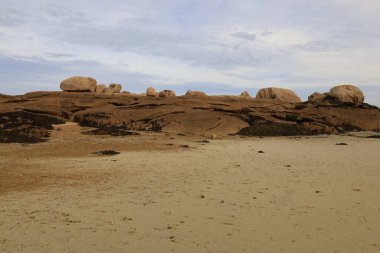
<point x="170" y="193"/>
<point x="189" y="126"/>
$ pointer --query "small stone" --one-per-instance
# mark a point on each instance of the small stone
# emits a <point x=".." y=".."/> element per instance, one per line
<point x="114" y="88"/>
<point x="107" y="152"/>
<point x="151" y="92"/>
<point x="166" y="93"/>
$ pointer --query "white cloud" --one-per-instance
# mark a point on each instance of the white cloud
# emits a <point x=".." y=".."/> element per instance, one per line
<point x="285" y="38"/>
<point x="244" y="43"/>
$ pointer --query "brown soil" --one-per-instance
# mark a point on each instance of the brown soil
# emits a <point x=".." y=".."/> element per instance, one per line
<point x="20" y="171"/>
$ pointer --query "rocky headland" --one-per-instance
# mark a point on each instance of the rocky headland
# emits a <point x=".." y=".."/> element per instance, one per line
<point x="273" y="112"/>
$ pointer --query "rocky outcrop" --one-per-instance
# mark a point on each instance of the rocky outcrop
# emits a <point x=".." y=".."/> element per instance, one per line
<point x="192" y="93"/>
<point x="29" y="117"/>
<point x="79" y="84"/>
<point x="166" y="93"/>
<point x="26" y="127"/>
<point x="317" y="97"/>
<point x="151" y="92"/>
<point x="245" y="94"/>
<point x="114" y="88"/>
<point x="100" y="88"/>
<point x="280" y="94"/>
<point x="347" y="94"/>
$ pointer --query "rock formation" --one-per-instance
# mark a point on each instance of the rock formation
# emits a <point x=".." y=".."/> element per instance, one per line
<point x="347" y="94"/>
<point x="245" y="94"/>
<point x="28" y="118"/>
<point x="317" y="97"/>
<point x="114" y="88"/>
<point x="280" y="94"/>
<point x="191" y="93"/>
<point x="100" y="88"/>
<point x="166" y="93"/>
<point x="151" y="92"/>
<point x="78" y="83"/>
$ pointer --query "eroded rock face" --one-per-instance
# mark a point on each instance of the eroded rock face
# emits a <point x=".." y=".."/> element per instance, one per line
<point x="26" y="127"/>
<point x="166" y="93"/>
<point x="151" y="92"/>
<point x="192" y="93"/>
<point x="29" y="119"/>
<point x="100" y="88"/>
<point x="317" y="97"/>
<point x="280" y="94"/>
<point x="114" y="88"/>
<point x="78" y="83"/>
<point x="347" y="94"/>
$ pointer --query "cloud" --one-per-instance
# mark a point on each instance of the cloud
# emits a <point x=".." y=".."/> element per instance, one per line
<point x="298" y="44"/>
<point x="245" y="36"/>
<point x="20" y="75"/>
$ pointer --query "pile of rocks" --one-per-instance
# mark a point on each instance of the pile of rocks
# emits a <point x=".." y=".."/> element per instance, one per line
<point x="112" y="88"/>
<point x="346" y="93"/>
<point x="88" y="84"/>
<point x="339" y="94"/>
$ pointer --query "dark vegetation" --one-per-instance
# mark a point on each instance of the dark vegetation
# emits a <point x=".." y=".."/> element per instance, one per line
<point x="26" y="127"/>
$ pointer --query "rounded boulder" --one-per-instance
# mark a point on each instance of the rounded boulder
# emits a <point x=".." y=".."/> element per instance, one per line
<point x="192" y="93"/>
<point x="347" y="94"/>
<point x="79" y="83"/>
<point x="317" y="97"/>
<point x="280" y="94"/>
<point x="166" y="93"/>
<point x="151" y="92"/>
<point x="114" y="88"/>
<point x="100" y="88"/>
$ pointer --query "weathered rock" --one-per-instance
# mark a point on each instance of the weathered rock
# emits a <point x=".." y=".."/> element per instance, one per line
<point x="110" y="130"/>
<point x="107" y="91"/>
<point x="107" y="152"/>
<point x="78" y="83"/>
<point x="347" y="94"/>
<point x="26" y="127"/>
<point x="100" y="88"/>
<point x="114" y="88"/>
<point x="3" y="96"/>
<point x="281" y="94"/>
<point x="245" y="94"/>
<point x="317" y="97"/>
<point x="166" y="93"/>
<point x="216" y="115"/>
<point x="191" y="93"/>
<point x="151" y="92"/>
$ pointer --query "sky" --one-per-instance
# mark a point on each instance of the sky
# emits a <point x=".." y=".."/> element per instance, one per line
<point x="217" y="46"/>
